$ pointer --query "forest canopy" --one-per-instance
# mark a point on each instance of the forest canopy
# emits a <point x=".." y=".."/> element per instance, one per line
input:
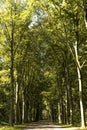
<point x="43" y="61"/>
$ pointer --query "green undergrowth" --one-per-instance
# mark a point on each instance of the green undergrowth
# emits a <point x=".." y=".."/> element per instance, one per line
<point x="5" y="126"/>
<point x="16" y="127"/>
<point x="71" y="126"/>
<point x="10" y="128"/>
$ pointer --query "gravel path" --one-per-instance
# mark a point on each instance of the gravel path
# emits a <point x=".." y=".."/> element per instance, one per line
<point x="44" y="125"/>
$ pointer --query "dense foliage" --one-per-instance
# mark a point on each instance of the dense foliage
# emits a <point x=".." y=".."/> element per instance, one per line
<point x="43" y="47"/>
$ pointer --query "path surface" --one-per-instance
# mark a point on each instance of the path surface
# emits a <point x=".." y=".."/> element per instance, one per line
<point x="44" y="125"/>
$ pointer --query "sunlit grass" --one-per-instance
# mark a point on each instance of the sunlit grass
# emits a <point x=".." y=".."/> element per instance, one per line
<point x="72" y="127"/>
<point x="16" y="127"/>
<point x="5" y="126"/>
<point x="10" y="128"/>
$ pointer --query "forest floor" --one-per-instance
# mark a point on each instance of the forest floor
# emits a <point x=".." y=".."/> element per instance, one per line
<point x="41" y="125"/>
<point x="44" y="125"/>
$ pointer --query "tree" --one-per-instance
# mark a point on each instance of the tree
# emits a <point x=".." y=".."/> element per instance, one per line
<point x="43" y="49"/>
<point x="9" y="24"/>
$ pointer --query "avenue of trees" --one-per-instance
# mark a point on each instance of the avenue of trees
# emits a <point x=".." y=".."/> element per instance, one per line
<point x="43" y="61"/>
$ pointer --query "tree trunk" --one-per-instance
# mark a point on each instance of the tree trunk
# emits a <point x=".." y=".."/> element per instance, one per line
<point x="59" y="113"/>
<point x="66" y="84"/>
<point x="22" y="106"/>
<point x="17" y="104"/>
<point x="71" y="105"/>
<point x="80" y="96"/>
<point x="80" y="86"/>
<point x="26" y="112"/>
<point x="11" y="120"/>
<point x="85" y="12"/>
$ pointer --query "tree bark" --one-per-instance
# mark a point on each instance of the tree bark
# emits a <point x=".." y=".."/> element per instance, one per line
<point x="12" y="116"/>
<point x="85" y="12"/>
<point x="11" y="120"/>
<point x="80" y="86"/>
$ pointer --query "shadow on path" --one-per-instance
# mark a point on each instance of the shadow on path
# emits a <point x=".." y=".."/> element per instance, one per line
<point x="45" y="125"/>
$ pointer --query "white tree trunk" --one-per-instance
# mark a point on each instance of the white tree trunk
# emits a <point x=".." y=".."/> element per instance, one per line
<point x="80" y="96"/>
<point x="80" y="86"/>
<point x="59" y="114"/>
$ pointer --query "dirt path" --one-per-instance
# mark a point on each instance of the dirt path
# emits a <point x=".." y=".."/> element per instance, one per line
<point x="44" y="125"/>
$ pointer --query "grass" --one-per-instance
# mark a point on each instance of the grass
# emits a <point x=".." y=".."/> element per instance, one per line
<point x="16" y="127"/>
<point x="71" y="126"/>
<point x="10" y="128"/>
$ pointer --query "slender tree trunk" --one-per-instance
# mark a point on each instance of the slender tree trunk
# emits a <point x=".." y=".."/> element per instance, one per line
<point x="16" y="101"/>
<point x="12" y="116"/>
<point x="80" y="86"/>
<point x="66" y="84"/>
<point x="22" y="106"/>
<point x="59" y="113"/>
<point x="85" y="12"/>
<point x="71" y="105"/>
<point x="59" y="83"/>
<point x="17" y="113"/>
<point x="80" y="96"/>
<point x="67" y="97"/>
<point x="26" y="113"/>
<point x="11" y="119"/>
